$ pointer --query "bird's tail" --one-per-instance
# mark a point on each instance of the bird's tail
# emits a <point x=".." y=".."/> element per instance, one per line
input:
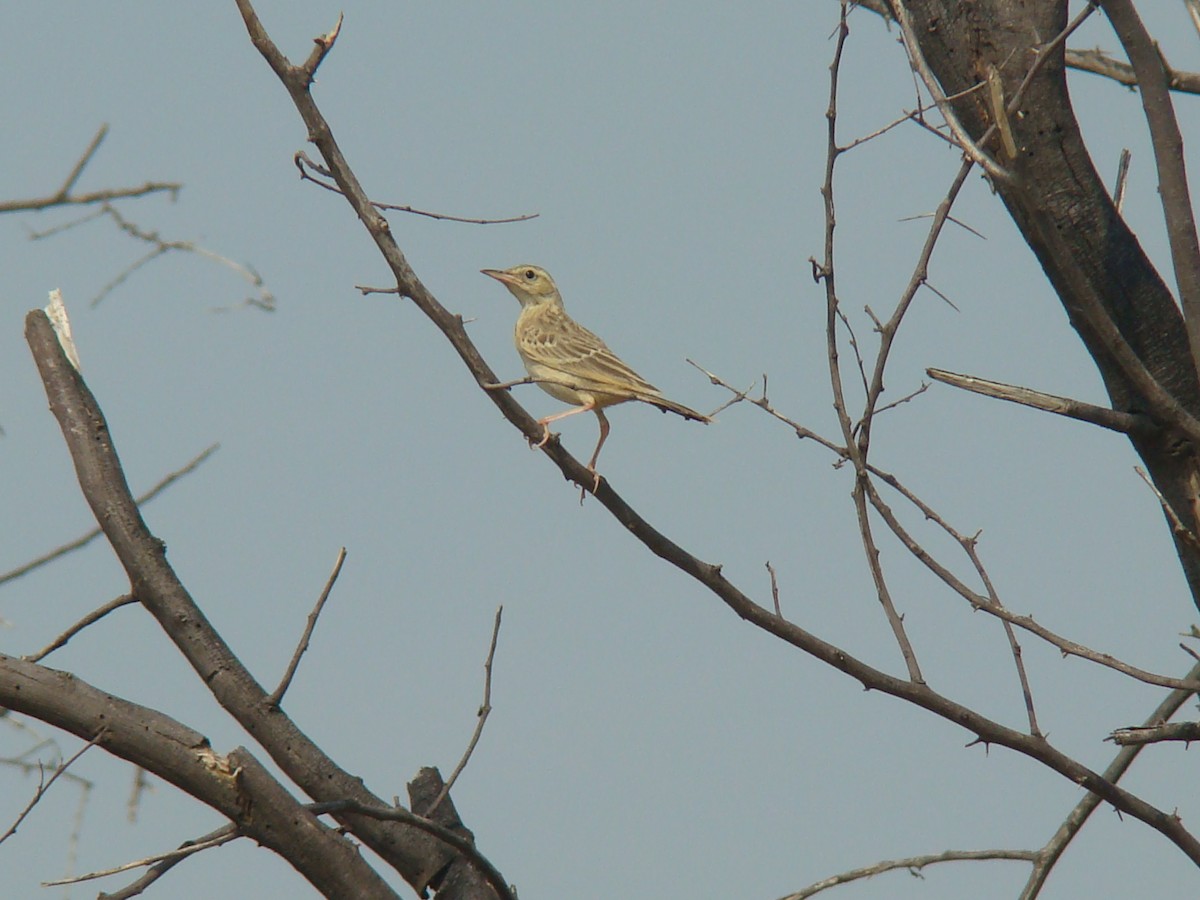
<point x="671" y="406"/>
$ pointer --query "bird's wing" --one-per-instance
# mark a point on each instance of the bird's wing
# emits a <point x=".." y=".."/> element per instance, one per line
<point x="580" y="356"/>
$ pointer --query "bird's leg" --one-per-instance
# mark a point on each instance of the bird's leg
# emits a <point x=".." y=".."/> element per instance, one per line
<point x="600" y="443"/>
<point x="545" y="423"/>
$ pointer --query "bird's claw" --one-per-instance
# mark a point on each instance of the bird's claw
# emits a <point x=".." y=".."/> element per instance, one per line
<point x="583" y="491"/>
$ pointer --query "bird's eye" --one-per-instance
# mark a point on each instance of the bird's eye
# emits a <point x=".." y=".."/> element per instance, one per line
<point x="530" y="275"/>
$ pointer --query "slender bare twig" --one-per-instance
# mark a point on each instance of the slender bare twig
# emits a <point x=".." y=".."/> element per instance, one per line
<point x="914" y="115"/>
<point x="1105" y="417"/>
<point x="485" y="710"/>
<point x="970" y="546"/>
<point x="64" y="197"/>
<point x="1044" y="53"/>
<point x="855" y="446"/>
<point x="222" y="835"/>
<point x="1097" y="62"/>
<point x="738" y="396"/>
<point x="972" y="149"/>
<point x="919" y="278"/>
<point x="930" y="286"/>
<point x="852" y="340"/>
<point x="44" y="785"/>
<point x="86" y="539"/>
<point x="774" y="589"/>
<point x="91" y="618"/>
<point x="74" y="174"/>
<point x="1193" y="8"/>
<point x="912" y="864"/>
<point x="304" y="165"/>
<point x="1180" y="530"/>
<point x="159" y="247"/>
<point x="907" y="398"/>
<point x="274" y="698"/>
<point x="764" y="404"/>
<point x="959" y="222"/>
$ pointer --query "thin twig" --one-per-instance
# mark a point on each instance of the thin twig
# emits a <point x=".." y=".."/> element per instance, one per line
<point x="276" y="695"/>
<point x="64" y="197"/>
<point x="91" y="618"/>
<point x="973" y="150"/>
<point x="764" y="404"/>
<point x="159" y="247"/>
<point x="90" y="536"/>
<point x="971" y="548"/>
<point x="485" y="710"/>
<point x="774" y="589"/>
<point x="907" y="398"/>
<point x="1180" y="530"/>
<point x="303" y="164"/>
<point x="1097" y="62"/>
<point x="44" y="786"/>
<point x="912" y="864"/>
<point x="222" y="835"/>
<point x="1105" y="417"/>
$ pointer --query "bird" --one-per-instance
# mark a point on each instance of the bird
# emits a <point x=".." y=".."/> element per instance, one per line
<point x="569" y="362"/>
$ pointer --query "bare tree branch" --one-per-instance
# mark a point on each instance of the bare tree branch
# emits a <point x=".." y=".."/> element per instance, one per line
<point x="297" y="80"/>
<point x="912" y="864"/>
<point x="1098" y="62"/>
<point x="64" y="197"/>
<point x="1170" y="731"/>
<point x="856" y="447"/>
<point x="94" y="616"/>
<point x="216" y="838"/>
<point x="1126" y="423"/>
<point x="306" y="167"/>
<point x="1167" y="142"/>
<point x="236" y="785"/>
<point x="277" y="695"/>
<point x="485" y="709"/>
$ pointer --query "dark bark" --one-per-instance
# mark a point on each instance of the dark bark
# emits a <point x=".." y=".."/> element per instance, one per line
<point x="416" y="855"/>
<point x="235" y="785"/>
<point x="1064" y="211"/>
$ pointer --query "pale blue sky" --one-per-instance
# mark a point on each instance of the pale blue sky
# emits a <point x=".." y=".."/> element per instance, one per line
<point x="645" y="742"/>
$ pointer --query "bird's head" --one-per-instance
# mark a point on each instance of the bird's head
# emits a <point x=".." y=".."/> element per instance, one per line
<point x="529" y="284"/>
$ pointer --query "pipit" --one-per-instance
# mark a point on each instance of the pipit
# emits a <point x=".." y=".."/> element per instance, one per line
<point x="568" y="361"/>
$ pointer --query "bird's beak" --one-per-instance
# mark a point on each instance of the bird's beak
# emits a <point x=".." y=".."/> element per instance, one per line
<point x="499" y="275"/>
